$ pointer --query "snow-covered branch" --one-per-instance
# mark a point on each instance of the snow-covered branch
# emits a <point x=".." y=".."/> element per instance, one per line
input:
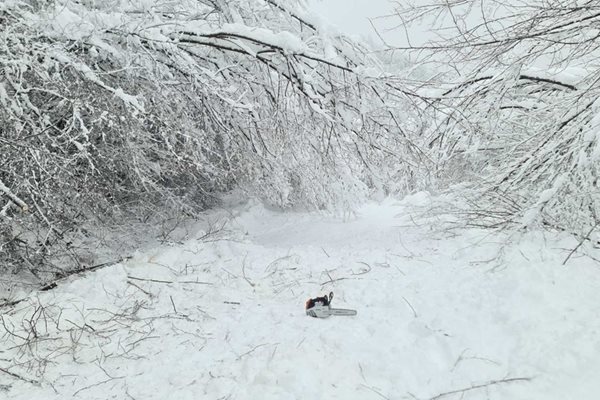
<point x="133" y="108"/>
<point x="516" y="109"/>
<point x="13" y="197"/>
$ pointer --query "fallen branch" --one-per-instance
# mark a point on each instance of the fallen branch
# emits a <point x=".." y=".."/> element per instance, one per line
<point x="372" y="389"/>
<point x="96" y="384"/>
<point x="54" y="284"/>
<point x="136" y="286"/>
<point x="244" y="274"/>
<point x="148" y="279"/>
<point x="411" y="307"/>
<point x="11" y="303"/>
<point x="254" y="349"/>
<point x="475" y="387"/>
<point x="196" y="282"/>
<point x="586" y="237"/>
<point x="173" y="304"/>
<point x="19" y="377"/>
<point x="331" y="280"/>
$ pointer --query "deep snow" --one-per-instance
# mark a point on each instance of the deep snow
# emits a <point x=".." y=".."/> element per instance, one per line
<point x="442" y="313"/>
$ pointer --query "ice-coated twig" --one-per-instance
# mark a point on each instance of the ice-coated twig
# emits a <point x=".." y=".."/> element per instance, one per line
<point x="13" y="197"/>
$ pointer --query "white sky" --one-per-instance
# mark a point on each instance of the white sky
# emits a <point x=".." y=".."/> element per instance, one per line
<point x="352" y="17"/>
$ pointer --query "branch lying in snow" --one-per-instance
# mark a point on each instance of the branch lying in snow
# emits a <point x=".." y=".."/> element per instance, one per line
<point x="255" y="348"/>
<point x="244" y="273"/>
<point x="411" y="307"/>
<point x="173" y="304"/>
<point x="331" y="280"/>
<point x="167" y="282"/>
<point x="149" y="280"/>
<point x="19" y="377"/>
<point x="480" y="386"/>
<point x="53" y="284"/>
<point x="97" y="384"/>
<point x="372" y="389"/>
<point x="144" y="291"/>
<point x="586" y="237"/>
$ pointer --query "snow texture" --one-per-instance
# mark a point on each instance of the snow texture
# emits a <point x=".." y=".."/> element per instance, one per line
<point x="221" y="316"/>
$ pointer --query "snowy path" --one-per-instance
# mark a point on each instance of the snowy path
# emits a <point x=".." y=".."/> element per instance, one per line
<point x="223" y="319"/>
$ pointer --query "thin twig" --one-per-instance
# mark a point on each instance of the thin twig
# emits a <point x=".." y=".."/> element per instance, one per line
<point x="372" y="389"/>
<point x="136" y="286"/>
<point x="19" y="377"/>
<point x="96" y="384"/>
<point x="64" y="275"/>
<point x="474" y="387"/>
<point x="196" y="282"/>
<point x="11" y="303"/>
<point x="148" y="279"/>
<point x="254" y="349"/>
<point x="173" y="304"/>
<point x="331" y="280"/>
<point x="586" y="237"/>
<point x="411" y="307"/>
<point x="244" y="273"/>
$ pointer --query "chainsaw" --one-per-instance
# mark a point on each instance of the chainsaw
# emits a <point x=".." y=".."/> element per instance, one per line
<point x="320" y="307"/>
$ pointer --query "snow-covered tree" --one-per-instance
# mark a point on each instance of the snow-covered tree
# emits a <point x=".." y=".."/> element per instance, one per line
<point x="516" y="108"/>
<point x="111" y="109"/>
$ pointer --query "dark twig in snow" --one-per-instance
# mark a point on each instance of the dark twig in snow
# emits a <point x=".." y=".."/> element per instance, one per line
<point x="149" y="280"/>
<point x="53" y="284"/>
<point x="19" y="377"/>
<point x="244" y="273"/>
<point x="254" y="349"/>
<point x="411" y="307"/>
<point x="96" y="384"/>
<point x="11" y="303"/>
<point x="331" y="280"/>
<point x="372" y="389"/>
<point x="173" y="304"/>
<point x="136" y="286"/>
<point x="475" y="387"/>
<point x="586" y="237"/>
<point x="196" y="282"/>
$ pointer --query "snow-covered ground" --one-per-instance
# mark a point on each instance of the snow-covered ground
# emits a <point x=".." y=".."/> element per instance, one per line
<point x="442" y="314"/>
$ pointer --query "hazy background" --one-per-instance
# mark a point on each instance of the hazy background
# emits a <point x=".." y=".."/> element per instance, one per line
<point x="357" y="17"/>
